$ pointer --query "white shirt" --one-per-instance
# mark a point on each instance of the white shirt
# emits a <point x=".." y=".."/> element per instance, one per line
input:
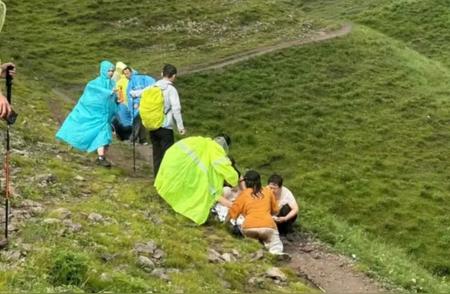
<point x="286" y="197"/>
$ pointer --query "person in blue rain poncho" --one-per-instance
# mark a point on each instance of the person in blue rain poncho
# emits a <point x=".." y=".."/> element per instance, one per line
<point x="136" y="85"/>
<point x="88" y="126"/>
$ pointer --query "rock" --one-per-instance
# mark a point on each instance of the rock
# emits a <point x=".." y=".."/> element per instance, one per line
<point x="214" y="256"/>
<point x="79" y="178"/>
<point x="276" y="274"/>
<point x="158" y="254"/>
<point x="95" y="217"/>
<point x="147" y="248"/>
<point x="106" y="257"/>
<point x="145" y="263"/>
<point x="160" y="273"/>
<point x="256" y="281"/>
<point x="72" y="227"/>
<point x="11" y="256"/>
<point x="30" y="203"/>
<point x="4" y="243"/>
<point x="228" y="257"/>
<point x="61" y="213"/>
<point x="258" y="255"/>
<point x="37" y="210"/>
<point x="51" y="221"/>
<point x="45" y="180"/>
<point x="235" y="253"/>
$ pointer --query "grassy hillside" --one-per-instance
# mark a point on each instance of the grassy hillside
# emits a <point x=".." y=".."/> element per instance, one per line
<point x="64" y="39"/>
<point x="63" y="247"/>
<point x="358" y="126"/>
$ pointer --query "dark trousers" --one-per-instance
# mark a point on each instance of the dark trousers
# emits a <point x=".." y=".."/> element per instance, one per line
<point x="122" y="133"/>
<point x="161" y="139"/>
<point x="286" y="227"/>
<point x="139" y="133"/>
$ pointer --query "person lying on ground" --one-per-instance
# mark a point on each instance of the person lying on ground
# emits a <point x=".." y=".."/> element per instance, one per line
<point x="257" y="205"/>
<point x="88" y="126"/>
<point x="288" y="207"/>
<point x="192" y="175"/>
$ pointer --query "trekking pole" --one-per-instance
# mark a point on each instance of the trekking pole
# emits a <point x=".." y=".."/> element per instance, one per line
<point x="133" y="135"/>
<point x="6" y="166"/>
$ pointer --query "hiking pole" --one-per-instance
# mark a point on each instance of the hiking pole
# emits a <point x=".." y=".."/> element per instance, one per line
<point x="133" y="135"/>
<point x="6" y="167"/>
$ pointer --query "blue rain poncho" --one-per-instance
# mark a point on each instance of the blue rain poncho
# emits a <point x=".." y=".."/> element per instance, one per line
<point x="136" y="84"/>
<point x="88" y="126"/>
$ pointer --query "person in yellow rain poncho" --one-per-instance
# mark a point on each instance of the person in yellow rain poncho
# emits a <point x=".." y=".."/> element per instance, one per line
<point x="121" y="82"/>
<point x="192" y="174"/>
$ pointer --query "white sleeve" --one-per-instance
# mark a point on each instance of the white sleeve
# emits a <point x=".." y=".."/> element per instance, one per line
<point x="175" y="107"/>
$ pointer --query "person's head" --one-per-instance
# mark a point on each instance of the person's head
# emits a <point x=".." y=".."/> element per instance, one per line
<point x="169" y="71"/>
<point x="119" y="70"/>
<point x="252" y="180"/>
<point x="106" y="69"/>
<point x="127" y="71"/>
<point x="275" y="183"/>
<point x="224" y="141"/>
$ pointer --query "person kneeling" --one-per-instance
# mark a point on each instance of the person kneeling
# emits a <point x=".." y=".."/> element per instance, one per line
<point x="288" y="207"/>
<point x="257" y="205"/>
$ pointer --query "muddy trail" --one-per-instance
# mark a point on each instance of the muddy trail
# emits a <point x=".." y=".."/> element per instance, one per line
<point x="314" y="262"/>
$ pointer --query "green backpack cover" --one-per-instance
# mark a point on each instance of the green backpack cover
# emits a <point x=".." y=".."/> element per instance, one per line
<point x="151" y="108"/>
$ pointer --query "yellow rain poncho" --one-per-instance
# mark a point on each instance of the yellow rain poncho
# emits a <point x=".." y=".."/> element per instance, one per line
<point x="191" y="176"/>
<point x="121" y="82"/>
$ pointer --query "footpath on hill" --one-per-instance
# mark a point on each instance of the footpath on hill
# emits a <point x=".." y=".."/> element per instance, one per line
<point x="313" y="261"/>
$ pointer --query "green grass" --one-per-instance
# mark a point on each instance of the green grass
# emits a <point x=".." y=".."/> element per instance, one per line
<point x="358" y="126"/>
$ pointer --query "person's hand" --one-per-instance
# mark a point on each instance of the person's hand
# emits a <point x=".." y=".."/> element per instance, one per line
<point x="279" y="219"/>
<point x="182" y="132"/>
<point x="12" y="72"/>
<point x="5" y="108"/>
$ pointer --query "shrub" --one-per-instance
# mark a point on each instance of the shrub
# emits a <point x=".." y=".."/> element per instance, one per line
<point x="68" y="269"/>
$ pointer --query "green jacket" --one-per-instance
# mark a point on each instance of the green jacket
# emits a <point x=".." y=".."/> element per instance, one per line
<point x="191" y="176"/>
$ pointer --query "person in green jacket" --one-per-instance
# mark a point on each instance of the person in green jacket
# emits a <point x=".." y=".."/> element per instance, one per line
<point x="192" y="174"/>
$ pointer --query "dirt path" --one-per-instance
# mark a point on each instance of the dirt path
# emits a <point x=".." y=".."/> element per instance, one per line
<point x="314" y="263"/>
<point x="243" y="56"/>
<point x="327" y="271"/>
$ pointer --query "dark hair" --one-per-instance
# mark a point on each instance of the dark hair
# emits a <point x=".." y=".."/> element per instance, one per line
<point x="169" y="71"/>
<point x="127" y="68"/>
<point x="226" y="137"/>
<point x="253" y="180"/>
<point x="276" y="179"/>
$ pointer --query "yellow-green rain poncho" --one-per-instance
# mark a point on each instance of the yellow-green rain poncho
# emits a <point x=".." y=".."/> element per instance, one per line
<point x="191" y="176"/>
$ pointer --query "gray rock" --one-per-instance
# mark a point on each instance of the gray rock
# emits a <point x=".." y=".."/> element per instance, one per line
<point x="258" y="255"/>
<point x="158" y="254"/>
<point x="51" y="221"/>
<point x="276" y="274"/>
<point x="160" y="273"/>
<point x="214" y="256"/>
<point x="228" y="257"/>
<point x="79" y="178"/>
<point x="235" y="253"/>
<point x="146" y="263"/>
<point x="147" y="248"/>
<point x="72" y="227"/>
<point x="37" y="210"/>
<point x="95" y="217"/>
<point x="30" y="203"/>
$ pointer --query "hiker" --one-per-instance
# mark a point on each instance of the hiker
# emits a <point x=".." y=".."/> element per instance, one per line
<point x="257" y="205"/>
<point x="122" y="122"/>
<point x="192" y="175"/>
<point x="163" y="137"/>
<point x="137" y="83"/>
<point x="5" y="108"/>
<point x="88" y="126"/>
<point x="288" y="207"/>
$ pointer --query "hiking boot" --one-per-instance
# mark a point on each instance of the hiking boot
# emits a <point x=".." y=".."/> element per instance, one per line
<point x="101" y="161"/>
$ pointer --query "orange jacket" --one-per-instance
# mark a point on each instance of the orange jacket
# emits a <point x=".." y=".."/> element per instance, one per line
<point x="256" y="210"/>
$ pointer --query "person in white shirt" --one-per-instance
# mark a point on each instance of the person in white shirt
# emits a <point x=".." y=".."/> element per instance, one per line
<point x="163" y="137"/>
<point x="287" y="204"/>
